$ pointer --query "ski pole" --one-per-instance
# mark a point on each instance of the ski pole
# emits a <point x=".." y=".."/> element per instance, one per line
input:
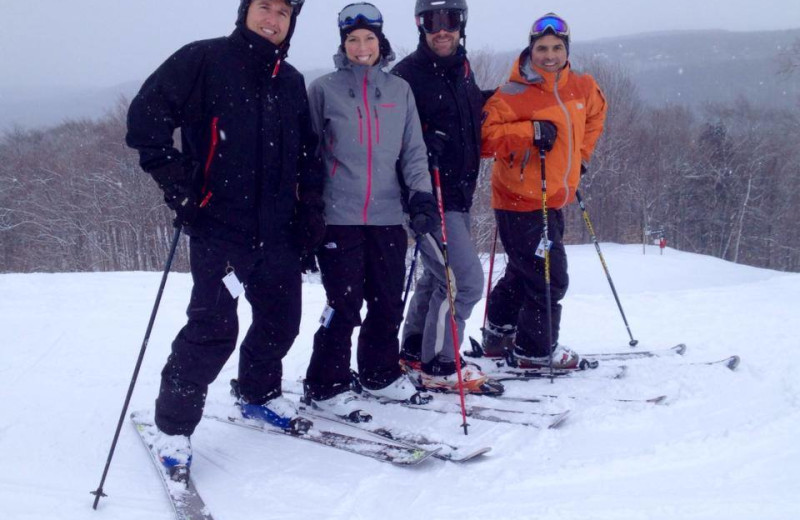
<point x="98" y="493"/>
<point x="633" y="342"/>
<point x="437" y="182"/>
<point x="491" y="273"/>
<point x="411" y="273"/>
<point x="537" y="129"/>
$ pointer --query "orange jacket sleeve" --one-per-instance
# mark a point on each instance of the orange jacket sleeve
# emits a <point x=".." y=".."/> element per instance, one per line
<point x="503" y="132"/>
<point x="595" y="120"/>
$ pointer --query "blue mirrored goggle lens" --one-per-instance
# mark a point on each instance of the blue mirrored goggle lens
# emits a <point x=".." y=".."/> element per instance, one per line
<point x="557" y="25"/>
<point x="354" y="14"/>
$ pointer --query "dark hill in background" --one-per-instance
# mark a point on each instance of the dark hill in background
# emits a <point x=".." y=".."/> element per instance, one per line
<point x="692" y="67"/>
<point x="683" y="67"/>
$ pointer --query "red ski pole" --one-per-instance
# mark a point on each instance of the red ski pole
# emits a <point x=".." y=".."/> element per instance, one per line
<point x="437" y="182"/>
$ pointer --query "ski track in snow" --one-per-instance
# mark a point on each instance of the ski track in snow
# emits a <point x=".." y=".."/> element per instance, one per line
<point x="723" y="447"/>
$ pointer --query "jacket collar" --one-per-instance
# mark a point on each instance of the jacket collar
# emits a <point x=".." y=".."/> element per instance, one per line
<point x="341" y="62"/>
<point x="261" y="48"/>
<point x="526" y="73"/>
<point x="444" y="64"/>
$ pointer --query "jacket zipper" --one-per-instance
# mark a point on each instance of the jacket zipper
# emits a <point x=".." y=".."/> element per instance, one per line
<point x="569" y="139"/>
<point x="207" y="171"/>
<point x="377" y="125"/>
<point x="369" y="147"/>
<point x="360" y="125"/>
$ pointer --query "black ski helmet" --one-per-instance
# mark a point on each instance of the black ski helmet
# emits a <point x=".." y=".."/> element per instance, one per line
<point x="296" y="6"/>
<point x="423" y="6"/>
<point x="244" y="5"/>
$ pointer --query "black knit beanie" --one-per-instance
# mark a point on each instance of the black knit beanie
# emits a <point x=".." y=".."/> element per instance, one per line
<point x="385" y="46"/>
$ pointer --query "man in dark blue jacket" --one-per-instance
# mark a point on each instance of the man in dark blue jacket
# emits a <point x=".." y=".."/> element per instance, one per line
<point x="246" y="187"/>
<point x="450" y="106"/>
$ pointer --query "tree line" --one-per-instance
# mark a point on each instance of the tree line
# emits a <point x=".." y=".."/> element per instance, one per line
<point x="721" y="181"/>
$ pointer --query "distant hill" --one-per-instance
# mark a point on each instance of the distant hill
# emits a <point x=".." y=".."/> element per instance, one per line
<point x="684" y="67"/>
<point x="692" y="67"/>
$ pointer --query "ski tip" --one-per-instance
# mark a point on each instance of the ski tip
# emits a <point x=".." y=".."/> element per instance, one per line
<point x="418" y="456"/>
<point x="733" y="362"/>
<point x="680" y="349"/>
<point x="475" y="455"/>
<point x="588" y="364"/>
<point x="477" y="349"/>
<point x="559" y="420"/>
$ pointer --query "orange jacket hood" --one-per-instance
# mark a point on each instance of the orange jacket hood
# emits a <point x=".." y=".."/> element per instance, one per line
<point x="572" y="102"/>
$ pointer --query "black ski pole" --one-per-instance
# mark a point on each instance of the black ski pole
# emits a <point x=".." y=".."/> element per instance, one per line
<point x="411" y="272"/>
<point x="98" y="493"/>
<point x="633" y="342"/>
<point x="537" y="129"/>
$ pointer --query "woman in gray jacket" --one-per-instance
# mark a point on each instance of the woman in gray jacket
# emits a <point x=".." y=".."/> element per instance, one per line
<point x="370" y="140"/>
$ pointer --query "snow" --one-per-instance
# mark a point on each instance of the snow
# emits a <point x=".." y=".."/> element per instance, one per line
<point x="724" y="447"/>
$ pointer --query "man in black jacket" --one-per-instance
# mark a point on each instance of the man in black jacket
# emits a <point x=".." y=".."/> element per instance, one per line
<point x="450" y="107"/>
<point x="246" y="188"/>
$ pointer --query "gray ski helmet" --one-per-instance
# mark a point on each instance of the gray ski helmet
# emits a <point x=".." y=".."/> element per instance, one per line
<point x="296" y="5"/>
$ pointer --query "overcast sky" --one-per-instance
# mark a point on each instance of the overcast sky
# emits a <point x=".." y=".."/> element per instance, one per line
<point x="102" y="43"/>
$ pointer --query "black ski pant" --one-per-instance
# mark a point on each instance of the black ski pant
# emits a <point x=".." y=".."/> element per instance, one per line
<point x="359" y="263"/>
<point x="519" y="298"/>
<point x="272" y="286"/>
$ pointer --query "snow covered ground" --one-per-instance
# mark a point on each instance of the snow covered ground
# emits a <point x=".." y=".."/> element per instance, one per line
<point x="725" y="447"/>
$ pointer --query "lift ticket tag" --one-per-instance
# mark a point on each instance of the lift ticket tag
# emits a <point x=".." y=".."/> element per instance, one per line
<point x="233" y="284"/>
<point x="540" y="247"/>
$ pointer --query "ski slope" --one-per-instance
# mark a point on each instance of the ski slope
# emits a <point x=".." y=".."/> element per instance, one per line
<point x="724" y="447"/>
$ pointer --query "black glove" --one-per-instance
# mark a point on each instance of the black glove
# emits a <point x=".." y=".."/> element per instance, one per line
<point x="309" y="222"/>
<point x="308" y="263"/>
<point x="182" y="201"/>
<point x="436" y="142"/>
<point x="178" y="195"/>
<point x="424" y="213"/>
<point x="546" y="137"/>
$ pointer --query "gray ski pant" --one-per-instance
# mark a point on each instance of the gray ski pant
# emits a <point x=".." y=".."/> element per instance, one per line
<point x="429" y="311"/>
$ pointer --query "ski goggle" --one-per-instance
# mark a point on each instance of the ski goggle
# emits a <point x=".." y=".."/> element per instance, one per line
<point x="449" y="20"/>
<point x="550" y="23"/>
<point x="364" y="13"/>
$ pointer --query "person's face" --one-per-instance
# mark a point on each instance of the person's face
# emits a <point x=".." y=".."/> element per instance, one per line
<point x="443" y="43"/>
<point x="270" y="19"/>
<point x="549" y="53"/>
<point x="362" y="47"/>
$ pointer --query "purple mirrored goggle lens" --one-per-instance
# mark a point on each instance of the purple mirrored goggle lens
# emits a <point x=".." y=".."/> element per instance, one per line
<point x="552" y="23"/>
<point x="435" y="21"/>
<point x="352" y="14"/>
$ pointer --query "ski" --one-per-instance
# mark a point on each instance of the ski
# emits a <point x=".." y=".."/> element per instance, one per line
<point x="660" y="399"/>
<point x="483" y="413"/>
<point x="530" y="374"/>
<point x="546" y="420"/>
<point x="382" y="451"/>
<point x="442" y="450"/>
<point x="731" y="363"/>
<point x="677" y="350"/>
<point x="182" y="494"/>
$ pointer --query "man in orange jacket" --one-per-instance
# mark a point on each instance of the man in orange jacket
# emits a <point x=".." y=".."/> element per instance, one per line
<point x="570" y="111"/>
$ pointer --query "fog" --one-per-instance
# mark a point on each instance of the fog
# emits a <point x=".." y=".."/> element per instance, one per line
<point x="98" y="43"/>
